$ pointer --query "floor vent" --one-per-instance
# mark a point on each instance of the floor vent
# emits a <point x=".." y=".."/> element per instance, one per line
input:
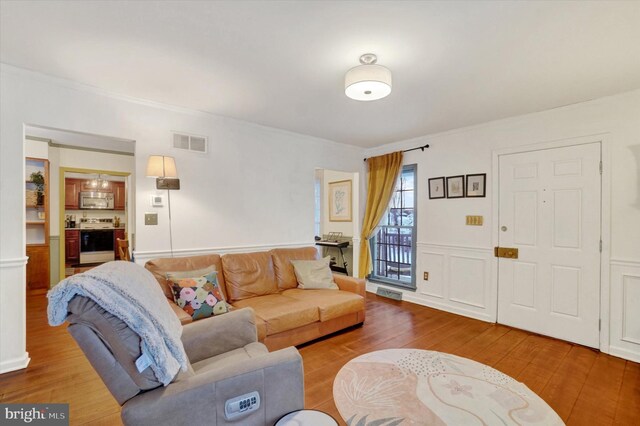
<point x="391" y="294"/>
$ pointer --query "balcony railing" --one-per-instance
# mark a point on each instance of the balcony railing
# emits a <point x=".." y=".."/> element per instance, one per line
<point x="393" y="253"/>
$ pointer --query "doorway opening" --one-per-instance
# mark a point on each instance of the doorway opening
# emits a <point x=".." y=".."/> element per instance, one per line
<point x="337" y="218"/>
<point x="58" y="155"/>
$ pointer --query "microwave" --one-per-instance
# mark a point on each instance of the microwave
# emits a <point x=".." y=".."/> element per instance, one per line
<point x="96" y="200"/>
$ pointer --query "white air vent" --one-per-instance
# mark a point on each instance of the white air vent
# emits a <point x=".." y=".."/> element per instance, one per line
<point x="190" y="142"/>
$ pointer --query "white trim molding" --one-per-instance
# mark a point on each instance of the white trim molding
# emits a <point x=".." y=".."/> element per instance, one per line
<point x="15" y="363"/>
<point x="13" y="263"/>
<point x="142" y="256"/>
<point x="625" y="316"/>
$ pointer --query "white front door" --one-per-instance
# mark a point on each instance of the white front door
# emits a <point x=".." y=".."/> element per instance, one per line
<point x="550" y="211"/>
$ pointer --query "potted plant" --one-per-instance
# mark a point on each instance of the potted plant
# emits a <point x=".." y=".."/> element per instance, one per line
<point x="38" y="180"/>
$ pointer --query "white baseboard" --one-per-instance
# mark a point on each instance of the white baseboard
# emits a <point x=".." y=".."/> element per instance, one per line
<point x="411" y="297"/>
<point x="15" y="363"/>
<point x="624" y="353"/>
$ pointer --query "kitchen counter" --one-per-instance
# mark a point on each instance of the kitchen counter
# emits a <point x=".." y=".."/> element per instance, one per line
<point x="78" y="228"/>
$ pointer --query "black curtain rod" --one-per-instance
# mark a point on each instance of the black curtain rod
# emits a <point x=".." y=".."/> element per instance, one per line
<point x="421" y="148"/>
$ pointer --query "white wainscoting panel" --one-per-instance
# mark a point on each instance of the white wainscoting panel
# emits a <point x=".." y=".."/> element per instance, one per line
<point x="434" y="263"/>
<point x="13" y="338"/>
<point x="466" y="280"/>
<point x="459" y="280"/>
<point x="625" y="309"/>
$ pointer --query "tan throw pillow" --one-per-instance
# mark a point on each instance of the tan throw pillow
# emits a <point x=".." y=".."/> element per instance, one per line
<point x="314" y="274"/>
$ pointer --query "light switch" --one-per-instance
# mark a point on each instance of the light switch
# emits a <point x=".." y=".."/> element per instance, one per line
<point x="426" y="276"/>
<point x="475" y="220"/>
<point x="151" y="218"/>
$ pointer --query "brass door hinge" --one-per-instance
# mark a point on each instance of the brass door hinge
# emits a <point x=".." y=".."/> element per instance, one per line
<point x="507" y="252"/>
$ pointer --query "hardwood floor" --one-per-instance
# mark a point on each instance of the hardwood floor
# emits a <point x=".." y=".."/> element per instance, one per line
<point x="585" y="387"/>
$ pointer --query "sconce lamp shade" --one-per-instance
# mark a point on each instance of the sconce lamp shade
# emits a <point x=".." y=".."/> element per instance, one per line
<point x="162" y="166"/>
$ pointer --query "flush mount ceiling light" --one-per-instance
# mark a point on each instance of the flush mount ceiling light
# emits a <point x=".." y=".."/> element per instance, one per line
<point x="367" y="82"/>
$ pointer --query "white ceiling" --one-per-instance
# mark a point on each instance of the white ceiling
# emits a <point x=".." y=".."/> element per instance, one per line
<point x="282" y="64"/>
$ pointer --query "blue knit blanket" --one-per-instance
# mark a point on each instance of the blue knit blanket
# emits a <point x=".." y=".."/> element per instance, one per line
<point x="132" y="294"/>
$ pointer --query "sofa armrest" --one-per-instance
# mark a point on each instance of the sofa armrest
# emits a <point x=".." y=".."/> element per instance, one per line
<point x="212" y="336"/>
<point x="199" y="399"/>
<point x="352" y="284"/>
<point x="184" y="317"/>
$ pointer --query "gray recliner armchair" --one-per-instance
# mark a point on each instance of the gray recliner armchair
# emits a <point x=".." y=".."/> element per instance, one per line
<point x="226" y="362"/>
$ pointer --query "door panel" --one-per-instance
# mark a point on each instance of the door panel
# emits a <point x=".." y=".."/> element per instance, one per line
<point x="550" y="212"/>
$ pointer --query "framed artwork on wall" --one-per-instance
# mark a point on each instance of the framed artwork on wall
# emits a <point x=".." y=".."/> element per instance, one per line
<point x="476" y="185"/>
<point x="455" y="187"/>
<point x="340" y="201"/>
<point x="437" y="188"/>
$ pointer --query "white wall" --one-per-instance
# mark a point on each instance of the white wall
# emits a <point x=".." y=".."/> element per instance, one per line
<point x="253" y="190"/>
<point x="459" y="257"/>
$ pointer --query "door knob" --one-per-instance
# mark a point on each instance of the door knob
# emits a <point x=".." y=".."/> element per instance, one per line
<point x="503" y="228"/>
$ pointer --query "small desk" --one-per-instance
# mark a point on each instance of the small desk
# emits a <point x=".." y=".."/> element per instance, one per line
<point x="339" y="245"/>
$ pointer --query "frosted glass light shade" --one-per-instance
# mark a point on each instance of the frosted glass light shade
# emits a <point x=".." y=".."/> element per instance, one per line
<point x="367" y="82"/>
<point x="161" y="166"/>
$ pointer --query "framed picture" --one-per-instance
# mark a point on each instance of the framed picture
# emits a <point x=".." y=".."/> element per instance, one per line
<point x="340" y="201"/>
<point x="437" y="188"/>
<point x="476" y="185"/>
<point x="455" y="187"/>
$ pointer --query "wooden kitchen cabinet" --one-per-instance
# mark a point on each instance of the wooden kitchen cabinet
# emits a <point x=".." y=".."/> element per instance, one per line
<point x="118" y="234"/>
<point x="38" y="267"/>
<point x="119" y="196"/>
<point x="71" y="246"/>
<point x="71" y="193"/>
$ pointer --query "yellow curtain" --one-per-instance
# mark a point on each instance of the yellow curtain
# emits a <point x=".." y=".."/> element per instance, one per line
<point x="381" y="182"/>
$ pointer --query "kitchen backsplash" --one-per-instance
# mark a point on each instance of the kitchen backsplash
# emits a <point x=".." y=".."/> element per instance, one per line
<point x="98" y="214"/>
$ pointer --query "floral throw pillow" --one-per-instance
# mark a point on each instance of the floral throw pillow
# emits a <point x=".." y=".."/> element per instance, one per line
<point x="200" y="297"/>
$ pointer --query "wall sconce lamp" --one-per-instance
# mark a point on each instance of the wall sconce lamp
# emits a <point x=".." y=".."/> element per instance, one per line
<point x="164" y="169"/>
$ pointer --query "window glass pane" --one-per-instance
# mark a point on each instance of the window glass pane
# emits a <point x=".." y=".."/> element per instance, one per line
<point x="407" y="199"/>
<point x="407" y="217"/>
<point x="392" y="248"/>
<point x="407" y="180"/>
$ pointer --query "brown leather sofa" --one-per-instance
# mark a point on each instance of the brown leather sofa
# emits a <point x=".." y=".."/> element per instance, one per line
<point x="266" y="282"/>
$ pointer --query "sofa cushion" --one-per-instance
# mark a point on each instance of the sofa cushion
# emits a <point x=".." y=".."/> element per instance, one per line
<point x="248" y="275"/>
<point x="160" y="267"/>
<point x="282" y="257"/>
<point x="199" y="296"/>
<point x="331" y="303"/>
<point x="281" y="313"/>
<point x="314" y="274"/>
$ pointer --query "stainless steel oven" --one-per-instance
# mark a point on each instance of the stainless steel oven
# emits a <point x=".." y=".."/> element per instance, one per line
<point x="96" y="246"/>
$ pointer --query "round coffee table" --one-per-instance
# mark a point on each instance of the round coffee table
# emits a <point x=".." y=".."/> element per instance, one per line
<point x="307" y="417"/>
<point x="412" y="386"/>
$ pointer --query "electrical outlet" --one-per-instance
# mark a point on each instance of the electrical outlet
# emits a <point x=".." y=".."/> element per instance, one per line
<point x="151" y="218"/>
<point x="426" y="276"/>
